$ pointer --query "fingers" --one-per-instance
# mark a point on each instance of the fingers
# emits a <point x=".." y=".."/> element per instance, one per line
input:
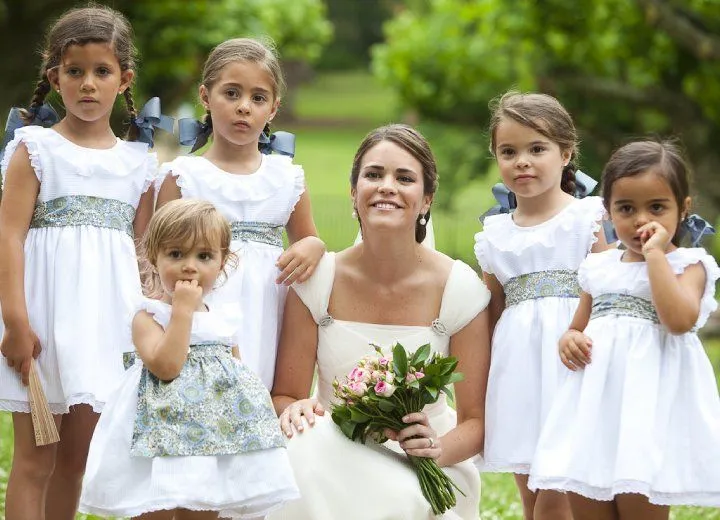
<point x="319" y="409"/>
<point x="37" y="348"/>
<point x="419" y="439"/>
<point x="25" y="371"/>
<point x="306" y="274"/>
<point x="287" y="275"/>
<point x="291" y="418"/>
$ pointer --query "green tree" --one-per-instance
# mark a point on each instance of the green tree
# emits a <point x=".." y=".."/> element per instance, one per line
<point x="173" y="38"/>
<point x="624" y="69"/>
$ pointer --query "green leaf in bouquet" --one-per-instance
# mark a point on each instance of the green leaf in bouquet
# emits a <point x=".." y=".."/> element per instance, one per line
<point x="433" y="392"/>
<point x="433" y="370"/>
<point x="420" y="355"/>
<point x="415" y="385"/>
<point x="386" y="406"/>
<point x="340" y="414"/>
<point x="455" y="377"/>
<point x="348" y="428"/>
<point x="400" y="362"/>
<point x="448" y="391"/>
<point x="358" y="416"/>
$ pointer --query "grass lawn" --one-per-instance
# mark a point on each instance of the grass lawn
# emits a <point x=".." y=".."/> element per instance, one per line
<point x="335" y="113"/>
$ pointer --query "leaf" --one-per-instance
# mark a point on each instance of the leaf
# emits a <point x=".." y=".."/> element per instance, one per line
<point x="400" y="362"/>
<point x="348" y="428"/>
<point x="420" y="355"/>
<point x="386" y="406"/>
<point x="455" y="377"/>
<point x="358" y="416"/>
<point x="433" y="392"/>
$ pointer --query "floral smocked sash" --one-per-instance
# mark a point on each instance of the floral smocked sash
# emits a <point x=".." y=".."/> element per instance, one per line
<point x="262" y="232"/>
<point x="616" y="304"/>
<point x="83" y="210"/>
<point x="559" y="283"/>
<point x="216" y="406"/>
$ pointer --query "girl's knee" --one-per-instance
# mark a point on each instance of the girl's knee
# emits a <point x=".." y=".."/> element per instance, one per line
<point x="36" y="467"/>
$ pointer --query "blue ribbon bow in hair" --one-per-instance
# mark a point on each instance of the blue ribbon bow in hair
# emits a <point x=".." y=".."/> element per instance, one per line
<point x="44" y="115"/>
<point x="693" y="226"/>
<point x="149" y="119"/>
<point x="584" y="186"/>
<point x="192" y="132"/>
<point x="696" y="228"/>
<point x="280" y="142"/>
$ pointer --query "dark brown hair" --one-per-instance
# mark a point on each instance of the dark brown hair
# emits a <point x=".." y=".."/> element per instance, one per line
<point x="546" y="116"/>
<point x="413" y="142"/>
<point x="663" y="158"/>
<point x="249" y="50"/>
<point x="178" y="222"/>
<point x="80" y="26"/>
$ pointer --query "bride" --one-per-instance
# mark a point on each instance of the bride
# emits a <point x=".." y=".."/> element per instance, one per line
<point x="386" y="288"/>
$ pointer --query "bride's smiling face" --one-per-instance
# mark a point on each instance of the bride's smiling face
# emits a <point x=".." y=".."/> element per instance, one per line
<point x="390" y="190"/>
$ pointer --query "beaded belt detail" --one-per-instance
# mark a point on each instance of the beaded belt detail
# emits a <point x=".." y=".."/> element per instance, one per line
<point x="82" y="210"/>
<point x="623" y="305"/>
<point x="542" y="284"/>
<point x="262" y="232"/>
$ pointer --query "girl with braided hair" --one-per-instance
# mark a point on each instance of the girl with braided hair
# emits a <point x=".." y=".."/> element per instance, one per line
<point x="529" y="254"/>
<point x="75" y="198"/>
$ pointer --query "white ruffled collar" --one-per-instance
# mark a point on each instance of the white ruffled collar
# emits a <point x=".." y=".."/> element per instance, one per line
<point x="220" y="323"/>
<point x="505" y="235"/>
<point x="275" y="173"/>
<point x="120" y="160"/>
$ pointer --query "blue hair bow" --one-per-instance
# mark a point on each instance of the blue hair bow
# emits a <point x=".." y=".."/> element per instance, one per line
<point x="44" y="115"/>
<point x="149" y="119"/>
<point x="280" y="142"/>
<point x="584" y="186"/>
<point x="192" y="132"/>
<point x="694" y="226"/>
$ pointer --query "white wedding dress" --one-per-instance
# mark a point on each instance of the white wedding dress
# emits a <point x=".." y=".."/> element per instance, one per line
<point x="339" y="478"/>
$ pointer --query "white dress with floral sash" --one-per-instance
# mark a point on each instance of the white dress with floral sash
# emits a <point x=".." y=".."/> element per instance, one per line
<point x="81" y="272"/>
<point x="537" y="267"/>
<point x="644" y="415"/>
<point x="258" y="206"/>
<point x="207" y="440"/>
<point x="339" y="478"/>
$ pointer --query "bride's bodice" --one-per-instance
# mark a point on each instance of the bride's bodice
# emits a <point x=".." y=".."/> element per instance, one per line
<point x="341" y="343"/>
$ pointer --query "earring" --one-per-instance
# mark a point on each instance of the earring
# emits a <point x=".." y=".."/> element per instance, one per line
<point x="354" y="213"/>
<point x="422" y="220"/>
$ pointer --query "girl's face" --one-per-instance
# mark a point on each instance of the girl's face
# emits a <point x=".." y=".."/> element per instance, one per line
<point x="189" y="261"/>
<point x="390" y="188"/>
<point x="639" y="199"/>
<point x="241" y="102"/>
<point x="530" y="163"/>
<point x="89" y="79"/>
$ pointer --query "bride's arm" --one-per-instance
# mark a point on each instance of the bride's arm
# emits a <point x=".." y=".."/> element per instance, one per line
<point x="471" y="346"/>
<point x="295" y="365"/>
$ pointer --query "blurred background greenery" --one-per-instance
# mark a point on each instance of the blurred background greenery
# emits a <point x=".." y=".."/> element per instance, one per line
<point x="623" y="68"/>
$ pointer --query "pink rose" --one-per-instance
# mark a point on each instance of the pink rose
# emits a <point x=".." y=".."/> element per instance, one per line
<point x="358" y="388"/>
<point x="384" y="389"/>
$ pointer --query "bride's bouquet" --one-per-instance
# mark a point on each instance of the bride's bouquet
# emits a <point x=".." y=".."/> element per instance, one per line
<point x="380" y="391"/>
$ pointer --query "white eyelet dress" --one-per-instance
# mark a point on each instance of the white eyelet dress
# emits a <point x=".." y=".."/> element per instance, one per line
<point x="208" y="440"/>
<point x="258" y="206"/>
<point x="81" y="273"/>
<point x="537" y="267"/>
<point x="339" y="478"/>
<point x="644" y="415"/>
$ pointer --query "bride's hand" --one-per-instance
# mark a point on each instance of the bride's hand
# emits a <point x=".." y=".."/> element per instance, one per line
<point x="292" y="415"/>
<point x="418" y="439"/>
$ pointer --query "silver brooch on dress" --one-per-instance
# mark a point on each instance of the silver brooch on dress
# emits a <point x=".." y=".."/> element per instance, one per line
<point x="326" y="320"/>
<point x="439" y="328"/>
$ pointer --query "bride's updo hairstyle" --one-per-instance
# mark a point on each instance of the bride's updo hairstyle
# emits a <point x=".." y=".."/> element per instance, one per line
<point x="413" y="142"/>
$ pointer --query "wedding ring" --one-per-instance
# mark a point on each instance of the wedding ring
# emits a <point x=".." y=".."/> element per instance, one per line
<point x="432" y="443"/>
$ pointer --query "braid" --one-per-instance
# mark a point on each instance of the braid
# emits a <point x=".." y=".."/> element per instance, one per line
<point x="132" y="133"/>
<point x="567" y="182"/>
<point x="207" y="119"/>
<point x="42" y="89"/>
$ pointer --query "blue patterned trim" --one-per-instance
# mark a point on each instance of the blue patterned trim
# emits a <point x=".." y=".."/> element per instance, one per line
<point x="541" y="284"/>
<point x="615" y="304"/>
<point x="257" y="232"/>
<point x="216" y="406"/>
<point x="82" y="210"/>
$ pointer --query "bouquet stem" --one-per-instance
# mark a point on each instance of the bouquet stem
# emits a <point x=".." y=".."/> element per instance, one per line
<point x="436" y="486"/>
